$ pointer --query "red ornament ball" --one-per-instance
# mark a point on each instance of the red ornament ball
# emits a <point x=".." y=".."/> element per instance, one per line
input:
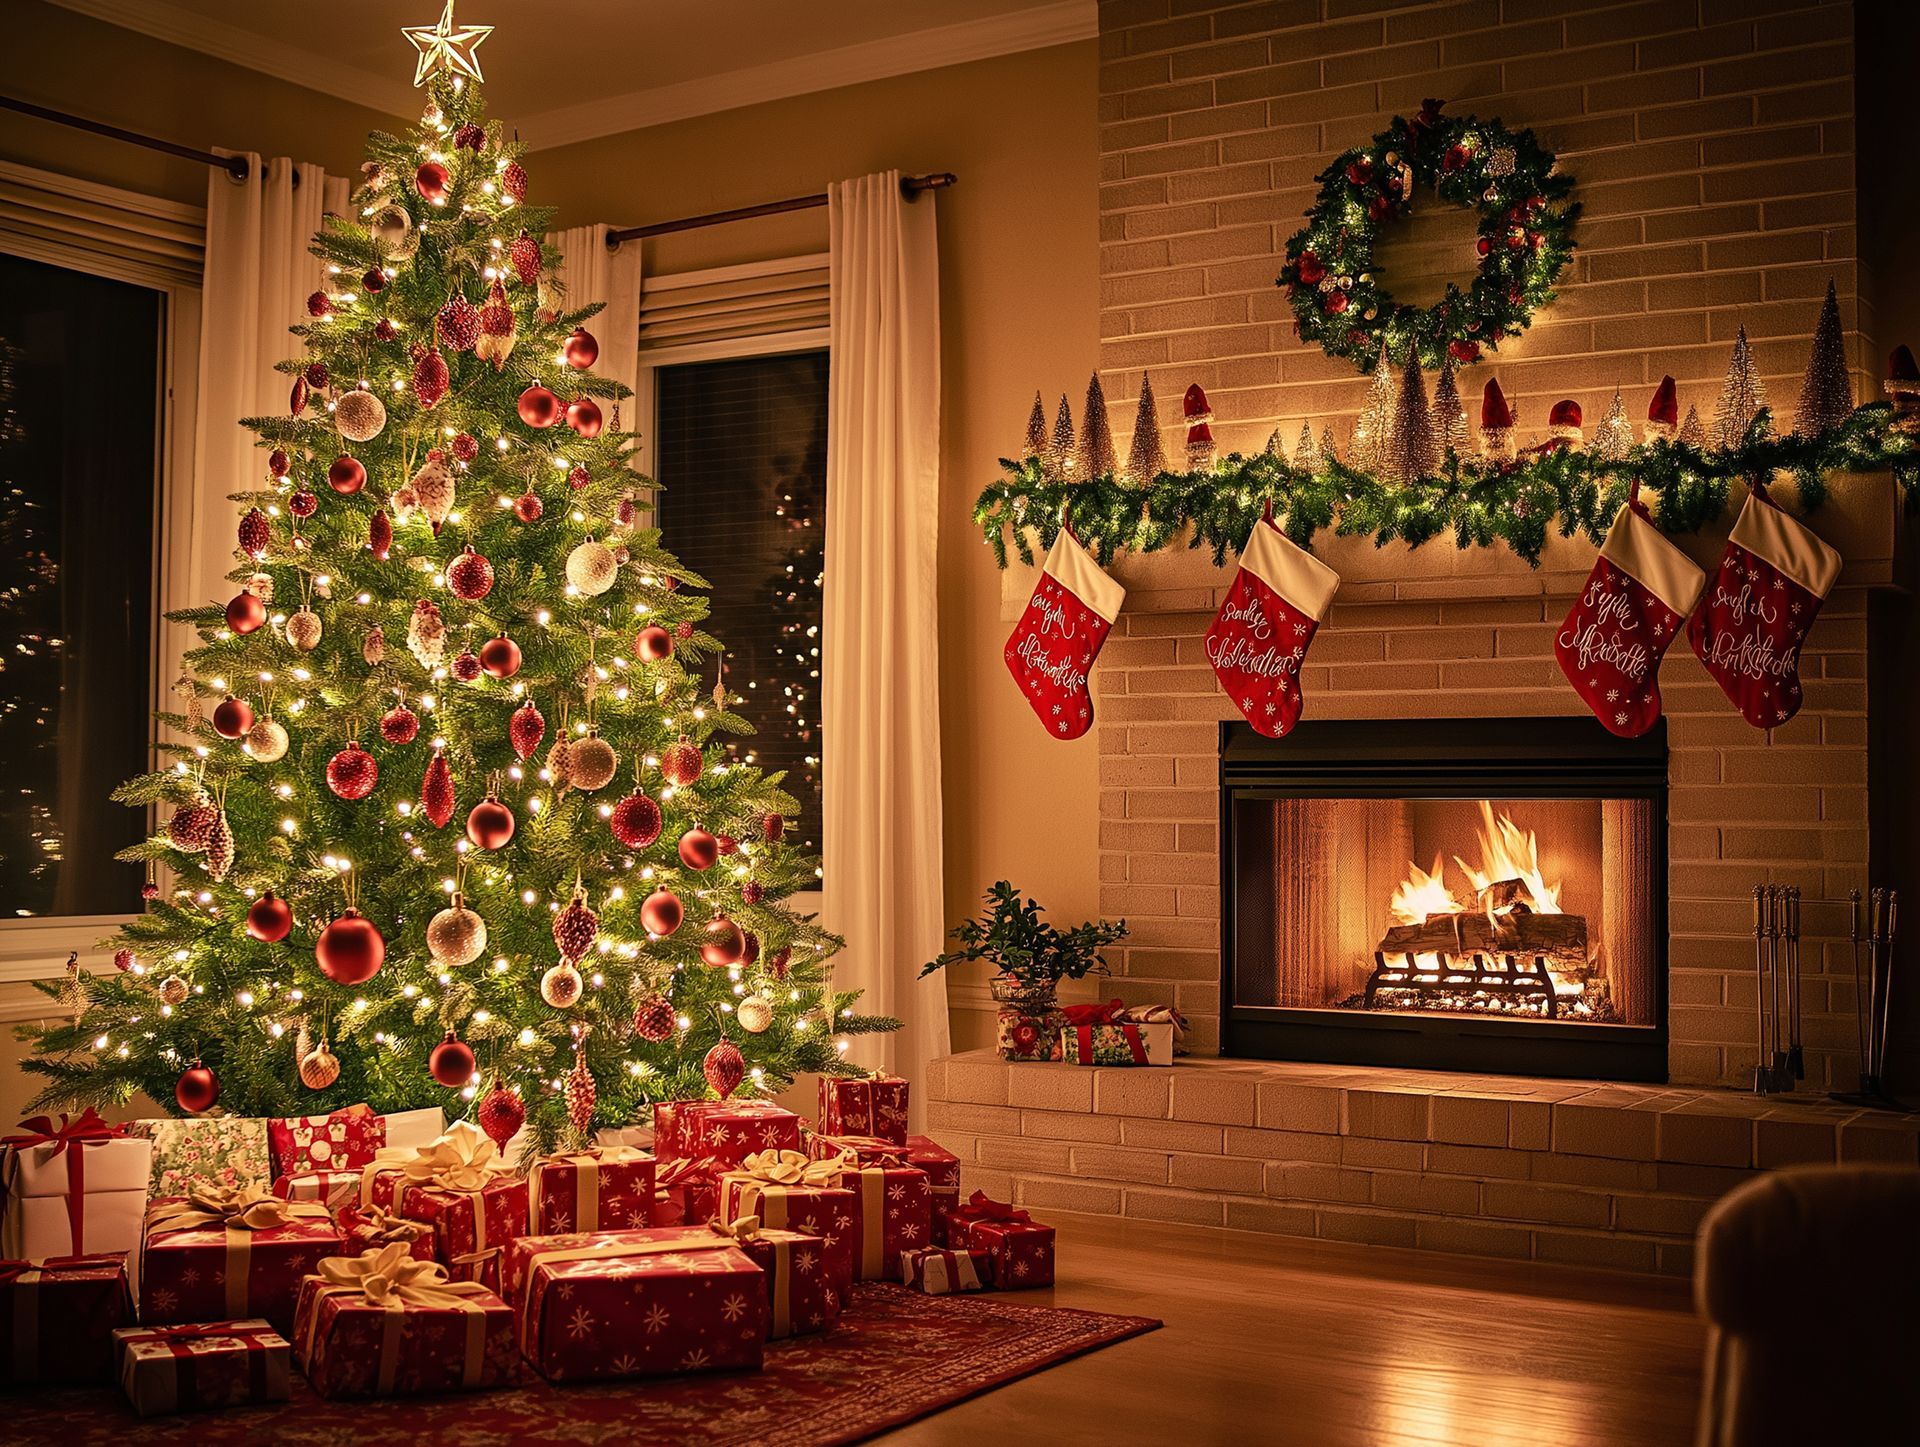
<point x="683" y="630"/>
<point x="149" y="890"/>
<point x="725" y="1067"/>
<point x="399" y="725"/>
<point x="277" y="462"/>
<point x="318" y="305"/>
<point x="538" y="406"/>
<point x="579" y="477"/>
<point x="232" y="718"/>
<point x="352" y="772"/>
<point x="350" y="951"/>
<point x="470" y="576"/>
<point x="431" y="181"/>
<point x="1454" y="159"/>
<point x="501" y="1114"/>
<point x="680" y="764"/>
<point x="451" y="1063"/>
<point x="1311" y="268"/>
<point x="654" y="1019"/>
<point x="722" y="942"/>
<point x="465" y="665"/>
<point x="245" y="613"/>
<point x="373" y="280"/>
<point x="270" y="920"/>
<point x="490" y="824"/>
<point x="661" y="912"/>
<point x="727" y="844"/>
<point x="465" y="446"/>
<point x="582" y="351"/>
<point x="469" y="137"/>
<point x="1360" y="172"/>
<point x="1336" y="302"/>
<point x="653" y="643"/>
<point x="317" y="374"/>
<point x="459" y="323"/>
<point x="197" y="1089"/>
<point x="1483" y="246"/>
<point x="527" y="507"/>
<point x="635" y="821"/>
<point x="500" y="657"/>
<point x="698" y="849"/>
<point x="583" y="416"/>
<point x="346" y="476"/>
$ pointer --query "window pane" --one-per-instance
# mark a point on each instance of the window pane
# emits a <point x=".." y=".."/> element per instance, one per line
<point x="742" y="454"/>
<point x="79" y="394"/>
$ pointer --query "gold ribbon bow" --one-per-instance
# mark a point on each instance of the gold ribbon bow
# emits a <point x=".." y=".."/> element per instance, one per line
<point x="747" y="1228"/>
<point x="463" y="1160"/>
<point x="790" y="1168"/>
<point x="604" y="1155"/>
<point x="392" y="1280"/>
<point x="236" y="1208"/>
<point x="385" y="1228"/>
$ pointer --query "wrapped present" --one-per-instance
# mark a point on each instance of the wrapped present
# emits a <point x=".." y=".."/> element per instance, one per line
<point x="727" y="1131"/>
<point x="1023" y="1036"/>
<point x="941" y="1165"/>
<point x="638" y="1303"/>
<point x="332" y="1189"/>
<point x="1161" y="1015"/>
<point x="786" y="1191"/>
<point x="411" y="1129"/>
<point x="607" y="1187"/>
<point x="368" y="1228"/>
<point x="57" y="1318"/>
<point x="685" y="1192"/>
<point x="938" y="1271"/>
<point x="201" y="1365"/>
<point x="1018" y="1250"/>
<point x="343" y="1141"/>
<point x="866" y="1105"/>
<point x="809" y="1279"/>
<point x="460" y="1188"/>
<point x="210" y="1150"/>
<point x="224" y="1255"/>
<point x="384" y="1324"/>
<point x="76" y="1188"/>
<point x="1103" y="1034"/>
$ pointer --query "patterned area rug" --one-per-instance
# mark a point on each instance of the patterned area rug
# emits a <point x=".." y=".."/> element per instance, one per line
<point x="896" y="1356"/>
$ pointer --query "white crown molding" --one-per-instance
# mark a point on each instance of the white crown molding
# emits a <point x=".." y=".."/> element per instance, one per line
<point x="1059" y="23"/>
<point x="295" y="64"/>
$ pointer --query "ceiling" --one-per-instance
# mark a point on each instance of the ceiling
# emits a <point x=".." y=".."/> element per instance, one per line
<point x="571" y="69"/>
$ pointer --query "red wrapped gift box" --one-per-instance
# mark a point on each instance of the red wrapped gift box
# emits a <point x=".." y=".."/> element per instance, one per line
<point x="726" y="1131"/>
<point x="207" y="1364"/>
<point x="368" y="1228"/>
<point x="383" y="1324"/>
<point x="786" y="1191"/>
<point x="941" y="1165"/>
<point x="343" y="1141"/>
<point x="332" y="1189"/>
<point x="639" y="1303"/>
<point x="869" y="1105"/>
<point x="606" y="1188"/>
<point x="458" y="1186"/>
<point x="57" y="1318"/>
<point x="809" y="1277"/>
<point x="1019" y="1250"/>
<point x="941" y="1272"/>
<point x="684" y="1193"/>
<point x="227" y="1254"/>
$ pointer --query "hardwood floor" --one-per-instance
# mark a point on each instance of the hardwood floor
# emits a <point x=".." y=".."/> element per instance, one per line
<point x="1274" y="1340"/>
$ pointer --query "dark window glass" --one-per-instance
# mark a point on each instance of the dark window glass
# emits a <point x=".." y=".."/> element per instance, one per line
<point x="742" y="456"/>
<point x="79" y="433"/>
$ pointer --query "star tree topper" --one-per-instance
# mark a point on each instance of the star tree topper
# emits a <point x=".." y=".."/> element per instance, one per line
<point x="446" y="46"/>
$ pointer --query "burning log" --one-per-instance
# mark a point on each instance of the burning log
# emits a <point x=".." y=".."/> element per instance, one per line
<point x="1560" y="938"/>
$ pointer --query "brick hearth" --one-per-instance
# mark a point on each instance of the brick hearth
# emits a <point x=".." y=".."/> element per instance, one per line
<point x="1547" y="1170"/>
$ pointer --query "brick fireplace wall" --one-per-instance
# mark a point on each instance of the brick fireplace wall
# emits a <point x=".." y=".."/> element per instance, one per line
<point x="1712" y="140"/>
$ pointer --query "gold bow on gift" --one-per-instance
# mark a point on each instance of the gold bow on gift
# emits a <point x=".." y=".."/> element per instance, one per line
<point x="791" y="1168"/>
<point x="862" y="1150"/>
<point x="602" y="1155"/>
<point x="384" y="1228"/>
<point x="463" y="1160"/>
<point x="747" y="1228"/>
<point x="390" y="1278"/>
<point x="235" y="1208"/>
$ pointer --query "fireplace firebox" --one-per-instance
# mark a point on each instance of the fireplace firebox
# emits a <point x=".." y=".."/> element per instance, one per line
<point x="1485" y="895"/>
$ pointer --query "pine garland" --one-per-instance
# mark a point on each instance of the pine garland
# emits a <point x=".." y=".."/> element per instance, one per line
<point x="1565" y="490"/>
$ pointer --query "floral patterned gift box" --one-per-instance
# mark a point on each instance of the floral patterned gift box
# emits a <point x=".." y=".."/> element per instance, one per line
<point x="638" y="1303"/>
<point x="224" y="1255"/>
<point x="386" y="1324"/>
<point x="57" y="1318"/>
<point x="228" y="1151"/>
<point x="199" y="1366"/>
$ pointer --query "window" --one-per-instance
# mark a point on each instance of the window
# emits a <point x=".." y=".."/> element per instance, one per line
<point x="80" y="377"/>
<point x="740" y="451"/>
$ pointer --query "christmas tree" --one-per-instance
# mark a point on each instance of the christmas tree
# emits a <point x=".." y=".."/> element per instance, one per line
<point x="1373" y="433"/>
<point x="1036" y="442"/>
<point x="1306" y="452"/>
<point x="450" y="794"/>
<point x="1412" y="451"/>
<point x="1096" y="437"/>
<point x="1613" y="438"/>
<point x="1449" y="415"/>
<point x="1826" y="395"/>
<point x="1061" y="446"/>
<point x="1740" y="399"/>
<point x="1146" y="458"/>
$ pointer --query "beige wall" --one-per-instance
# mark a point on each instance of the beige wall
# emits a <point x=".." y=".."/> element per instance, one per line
<point x="1019" y="302"/>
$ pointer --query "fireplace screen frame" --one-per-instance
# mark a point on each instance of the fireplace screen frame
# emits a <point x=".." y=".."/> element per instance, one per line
<point x="1451" y="759"/>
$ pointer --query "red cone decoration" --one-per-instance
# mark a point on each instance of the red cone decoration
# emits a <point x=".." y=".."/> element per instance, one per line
<point x="513" y="180"/>
<point x="780" y="963"/>
<point x="123" y="960"/>
<point x="430" y="377"/>
<point x="680" y="764"/>
<point x="245" y="613"/>
<point x="653" y="1018"/>
<point x="451" y="1063"/>
<point x="346" y="475"/>
<point x="459" y="323"/>
<point x="436" y="792"/>
<point x="399" y="725"/>
<point x="470" y="576"/>
<point x="722" y="942"/>
<point x="582" y="350"/>
<point x="380" y="535"/>
<point x="232" y="718"/>
<point x="1663" y="413"/>
<point x="466" y="665"/>
<point x="752" y="892"/>
<point x="303" y="504"/>
<point x="352" y="772"/>
<point x="501" y="1114"/>
<point x="1496" y="423"/>
<point x="192" y="825"/>
<point x="698" y="849"/>
<point x="350" y="951"/>
<point x="773" y="828"/>
<point x="197" y="1089"/>
<point x="661" y="912"/>
<point x="725" y="1067"/>
<point x="490" y="824"/>
<point x="653" y="643"/>
<point x="524" y="254"/>
<point x="539" y="407"/>
<point x="635" y="821"/>
<point x="525" y="730"/>
<point x="254" y="533"/>
<point x="269" y="920"/>
<point x="575" y="927"/>
<point x="500" y="657"/>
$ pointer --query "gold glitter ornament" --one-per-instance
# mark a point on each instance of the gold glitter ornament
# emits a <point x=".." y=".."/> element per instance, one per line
<point x="755" y="1014"/>
<point x="560" y="987"/>
<point x="456" y="935"/>
<point x="360" y="416"/>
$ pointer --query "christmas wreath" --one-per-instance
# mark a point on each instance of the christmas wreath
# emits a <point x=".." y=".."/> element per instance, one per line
<point x="1525" y="239"/>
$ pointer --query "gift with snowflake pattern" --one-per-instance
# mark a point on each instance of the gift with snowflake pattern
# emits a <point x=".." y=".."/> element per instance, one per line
<point x="865" y="1105"/>
<point x="226" y="1256"/>
<point x="57" y="1318"/>
<point x="203" y="1365"/>
<point x="368" y="1228"/>
<point x="604" y="1188"/>
<point x="638" y="1303"/>
<point x="727" y="1131"/>
<point x="472" y="1227"/>
<point x="809" y="1279"/>
<point x="1018" y="1249"/>
<point x="939" y="1271"/>
<point x="785" y="1190"/>
<point x="892" y="1212"/>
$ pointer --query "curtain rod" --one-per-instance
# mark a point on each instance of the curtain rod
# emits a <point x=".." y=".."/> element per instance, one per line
<point x="910" y="187"/>
<point x="234" y="166"/>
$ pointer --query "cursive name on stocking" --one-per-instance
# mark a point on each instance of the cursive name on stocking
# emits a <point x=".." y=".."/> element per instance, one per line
<point x="1250" y="614"/>
<point x="1627" y="656"/>
<point x="1061" y="672"/>
<point x="1239" y="655"/>
<point x="1609" y="606"/>
<point x="1743" y="603"/>
<point x="1053" y="617"/>
<point x="1753" y="656"/>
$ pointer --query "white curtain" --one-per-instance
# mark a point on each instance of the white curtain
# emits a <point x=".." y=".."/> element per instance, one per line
<point x="880" y="687"/>
<point x="591" y="273"/>
<point x="259" y="275"/>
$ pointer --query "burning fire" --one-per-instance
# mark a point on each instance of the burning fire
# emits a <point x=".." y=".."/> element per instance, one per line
<point x="1507" y="852"/>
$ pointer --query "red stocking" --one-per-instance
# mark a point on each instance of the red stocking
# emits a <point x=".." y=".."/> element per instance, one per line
<point x="1611" y="645"/>
<point x="1054" y="644"/>
<point x="1764" y="597"/>
<point x="1260" y="635"/>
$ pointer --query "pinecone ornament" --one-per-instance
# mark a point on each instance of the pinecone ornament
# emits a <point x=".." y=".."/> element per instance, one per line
<point x="513" y="180"/>
<point x="557" y="758"/>
<point x="653" y="1018"/>
<point x="501" y="1114"/>
<point x="580" y="1096"/>
<point x="304" y="630"/>
<point x="525" y="730"/>
<point x="575" y="926"/>
<point x="254" y="532"/>
<point x="459" y="323"/>
<point x="427" y="634"/>
<point x="436" y="792"/>
<point x="524" y="255"/>
<point x="192" y="823"/>
<point x="433" y="487"/>
<point x="430" y="376"/>
<point x="219" y="852"/>
<point x="725" y="1067"/>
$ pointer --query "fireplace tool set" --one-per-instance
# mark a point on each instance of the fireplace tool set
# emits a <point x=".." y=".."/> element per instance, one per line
<point x="1776" y="972"/>
<point x="1873" y="995"/>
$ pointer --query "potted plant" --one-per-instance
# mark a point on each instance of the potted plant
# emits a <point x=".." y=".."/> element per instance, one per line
<point x="1031" y="957"/>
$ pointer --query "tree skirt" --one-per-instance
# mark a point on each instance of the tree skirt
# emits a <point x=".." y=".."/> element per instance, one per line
<point x="896" y="1355"/>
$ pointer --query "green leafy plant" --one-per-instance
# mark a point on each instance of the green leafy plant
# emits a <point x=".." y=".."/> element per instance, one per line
<point x="1012" y="936"/>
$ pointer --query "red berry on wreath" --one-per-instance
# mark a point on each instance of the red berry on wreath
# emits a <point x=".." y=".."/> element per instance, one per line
<point x="1360" y="172"/>
<point x="1464" y="351"/>
<point x="1454" y="159"/>
<point x="469" y="137"/>
<point x="1311" y="268"/>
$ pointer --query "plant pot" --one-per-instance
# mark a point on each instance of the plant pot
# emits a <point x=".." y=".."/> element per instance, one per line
<point x="1030" y="1018"/>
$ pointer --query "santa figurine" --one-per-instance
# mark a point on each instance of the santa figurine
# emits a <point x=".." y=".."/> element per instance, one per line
<point x="1663" y="413"/>
<point x="1563" y="425"/>
<point x="1199" y="435"/>
<point x="1903" y="385"/>
<point x="1496" y="425"/>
